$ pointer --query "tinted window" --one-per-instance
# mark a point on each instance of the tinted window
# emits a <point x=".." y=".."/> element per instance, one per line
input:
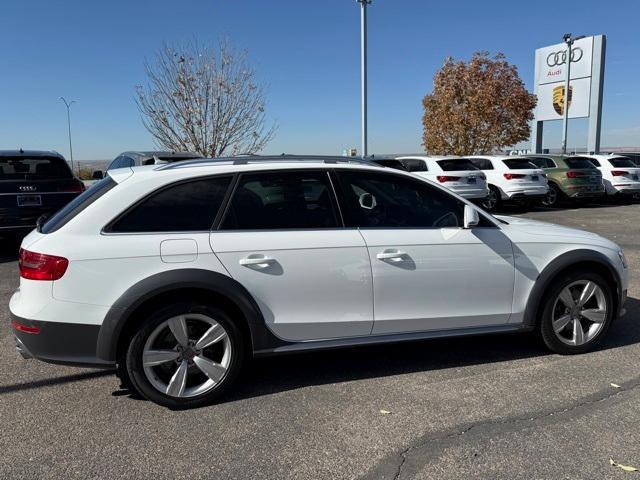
<point x="25" y="168"/>
<point x="392" y="201"/>
<point x="456" y="164"/>
<point x="579" y="163"/>
<point x="391" y="164"/>
<point x="518" y="164"/>
<point x="183" y="207"/>
<point x="482" y="163"/>
<point x="78" y="204"/>
<point x="543" y="162"/>
<point x="622" y="162"/>
<point x="414" y="165"/>
<point x="279" y="200"/>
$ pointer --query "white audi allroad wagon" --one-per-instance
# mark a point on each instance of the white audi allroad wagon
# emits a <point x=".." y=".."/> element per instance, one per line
<point x="177" y="274"/>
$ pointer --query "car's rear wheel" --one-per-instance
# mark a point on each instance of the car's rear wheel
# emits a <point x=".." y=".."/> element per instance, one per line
<point x="493" y="200"/>
<point x="554" y="196"/>
<point x="185" y="355"/>
<point x="577" y="312"/>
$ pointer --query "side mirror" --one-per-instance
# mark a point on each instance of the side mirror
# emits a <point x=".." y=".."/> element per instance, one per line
<point x="367" y="201"/>
<point x="471" y="217"/>
<point x="97" y="175"/>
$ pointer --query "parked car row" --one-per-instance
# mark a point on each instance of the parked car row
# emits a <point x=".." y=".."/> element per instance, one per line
<point x="494" y="180"/>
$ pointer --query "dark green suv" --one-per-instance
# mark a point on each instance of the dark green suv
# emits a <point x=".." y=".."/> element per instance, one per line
<point x="570" y="177"/>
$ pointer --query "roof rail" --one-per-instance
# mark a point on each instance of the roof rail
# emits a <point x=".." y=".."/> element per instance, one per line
<point x="246" y="159"/>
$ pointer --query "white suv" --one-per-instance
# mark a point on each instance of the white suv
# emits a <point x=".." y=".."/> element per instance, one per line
<point x="511" y="179"/>
<point x="620" y="175"/>
<point x="457" y="174"/>
<point x="178" y="274"/>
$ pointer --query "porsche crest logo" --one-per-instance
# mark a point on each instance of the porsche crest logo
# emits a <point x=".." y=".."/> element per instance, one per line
<point x="559" y="99"/>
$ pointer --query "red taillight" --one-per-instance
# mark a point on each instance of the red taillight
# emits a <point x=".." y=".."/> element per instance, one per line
<point x="511" y="176"/>
<point x="574" y="174"/>
<point x="446" y="178"/>
<point x="618" y="173"/>
<point x="26" y="328"/>
<point x="38" y="266"/>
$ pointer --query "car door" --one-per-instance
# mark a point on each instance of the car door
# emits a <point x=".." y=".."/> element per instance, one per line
<point x="429" y="273"/>
<point x="282" y="238"/>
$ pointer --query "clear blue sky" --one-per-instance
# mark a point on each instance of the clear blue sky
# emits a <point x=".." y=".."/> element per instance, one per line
<point x="308" y="53"/>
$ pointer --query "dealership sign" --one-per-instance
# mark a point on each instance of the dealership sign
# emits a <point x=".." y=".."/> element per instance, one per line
<point x="584" y="98"/>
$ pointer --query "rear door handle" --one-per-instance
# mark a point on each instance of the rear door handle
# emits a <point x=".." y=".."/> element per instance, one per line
<point x="390" y="254"/>
<point x="256" y="261"/>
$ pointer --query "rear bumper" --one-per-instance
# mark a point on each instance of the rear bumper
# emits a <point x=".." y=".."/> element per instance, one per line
<point x="475" y="194"/>
<point x="628" y="189"/>
<point x="56" y="342"/>
<point x="525" y="193"/>
<point x="581" y="191"/>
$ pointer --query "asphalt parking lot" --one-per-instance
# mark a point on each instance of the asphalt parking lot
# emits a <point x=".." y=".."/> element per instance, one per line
<point x="496" y="407"/>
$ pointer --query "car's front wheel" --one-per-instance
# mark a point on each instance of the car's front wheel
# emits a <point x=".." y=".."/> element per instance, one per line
<point x="492" y="201"/>
<point x="577" y="312"/>
<point x="185" y="355"/>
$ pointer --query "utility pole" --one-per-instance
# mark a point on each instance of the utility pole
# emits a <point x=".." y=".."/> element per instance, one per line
<point x="68" y="105"/>
<point x="363" y="70"/>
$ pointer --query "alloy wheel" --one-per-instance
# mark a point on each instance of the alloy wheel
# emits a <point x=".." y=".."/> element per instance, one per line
<point x="579" y="312"/>
<point x="551" y="198"/>
<point x="187" y="355"/>
<point x="491" y="201"/>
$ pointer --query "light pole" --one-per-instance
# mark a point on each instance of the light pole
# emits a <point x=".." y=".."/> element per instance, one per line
<point x="363" y="70"/>
<point x="569" y="40"/>
<point x="68" y="105"/>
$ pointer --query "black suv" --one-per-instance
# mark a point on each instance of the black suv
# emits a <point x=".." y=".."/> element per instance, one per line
<point x="135" y="159"/>
<point x="33" y="183"/>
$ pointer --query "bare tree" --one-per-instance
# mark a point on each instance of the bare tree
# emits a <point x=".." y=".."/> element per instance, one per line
<point x="204" y="99"/>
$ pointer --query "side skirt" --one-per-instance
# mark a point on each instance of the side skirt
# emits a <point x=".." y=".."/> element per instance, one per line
<point x="392" y="338"/>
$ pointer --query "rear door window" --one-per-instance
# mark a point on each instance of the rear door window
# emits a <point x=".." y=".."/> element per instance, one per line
<point x="543" y="162"/>
<point x="77" y="205"/>
<point x="36" y="168"/>
<point x="518" y="164"/>
<point x="482" y="163"/>
<point x="622" y="162"/>
<point x="282" y="200"/>
<point x="456" y="164"/>
<point x="414" y="165"/>
<point x="183" y="207"/>
<point x="578" y="162"/>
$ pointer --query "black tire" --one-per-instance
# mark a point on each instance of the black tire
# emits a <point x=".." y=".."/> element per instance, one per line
<point x="545" y="326"/>
<point x="554" y="198"/>
<point x="134" y="351"/>
<point x="494" y="201"/>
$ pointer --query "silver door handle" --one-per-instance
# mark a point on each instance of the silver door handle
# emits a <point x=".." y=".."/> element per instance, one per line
<point x="390" y="255"/>
<point x="261" y="262"/>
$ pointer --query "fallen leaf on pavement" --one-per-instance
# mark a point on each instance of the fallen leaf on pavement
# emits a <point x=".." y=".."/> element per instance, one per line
<point x="626" y="468"/>
<point x="385" y="412"/>
<point x="615" y="385"/>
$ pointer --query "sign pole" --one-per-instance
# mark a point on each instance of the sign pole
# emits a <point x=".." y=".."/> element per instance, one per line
<point x="567" y="92"/>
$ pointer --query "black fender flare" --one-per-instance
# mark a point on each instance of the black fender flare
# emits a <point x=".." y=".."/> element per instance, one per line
<point x="188" y="278"/>
<point x="560" y="263"/>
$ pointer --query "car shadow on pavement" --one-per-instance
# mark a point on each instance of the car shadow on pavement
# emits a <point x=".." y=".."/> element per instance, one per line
<point x="270" y="375"/>
<point x="49" y="382"/>
<point x="9" y="248"/>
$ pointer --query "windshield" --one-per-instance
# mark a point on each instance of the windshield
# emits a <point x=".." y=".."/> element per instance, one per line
<point x="579" y="163"/>
<point x="519" y="164"/>
<point x="456" y="164"/>
<point x="622" y="162"/>
<point x="25" y="168"/>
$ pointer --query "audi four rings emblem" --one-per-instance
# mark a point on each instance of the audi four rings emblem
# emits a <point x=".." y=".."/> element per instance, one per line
<point x="27" y="188"/>
<point x="555" y="59"/>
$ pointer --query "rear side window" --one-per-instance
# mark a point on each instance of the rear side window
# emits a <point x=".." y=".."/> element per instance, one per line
<point x="456" y="164"/>
<point x="414" y="165"/>
<point x="282" y="200"/>
<point x="579" y="163"/>
<point x="622" y="162"/>
<point x="518" y="164"/>
<point x="184" y="207"/>
<point x="543" y="162"/>
<point x="78" y="204"/>
<point x="482" y="163"/>
<point x="25" y="168"/>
